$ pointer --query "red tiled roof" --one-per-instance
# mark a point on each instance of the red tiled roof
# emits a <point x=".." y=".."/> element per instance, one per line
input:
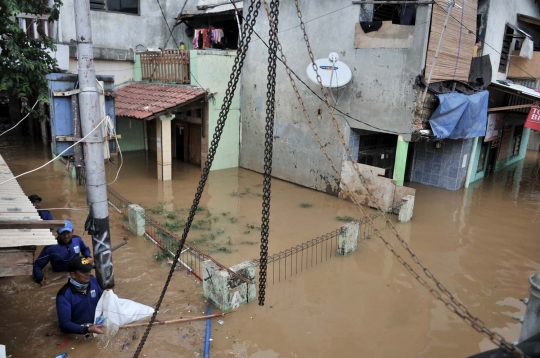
<point x="141" y="100"/>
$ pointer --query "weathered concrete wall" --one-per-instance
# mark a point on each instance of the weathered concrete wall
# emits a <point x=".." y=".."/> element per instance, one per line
<point x="121" y="70"/>
<point x="120" y="31"/>
<point x="211" y="70"/>
<point x="383" y="193"/>
<point x="381" y="93"/>
<point x="500" y="13"/>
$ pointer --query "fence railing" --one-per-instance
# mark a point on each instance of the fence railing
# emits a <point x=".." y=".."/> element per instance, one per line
<point x="190" y="258"/>
<point x="301" y="257"/>
<point x="167" y="66"/>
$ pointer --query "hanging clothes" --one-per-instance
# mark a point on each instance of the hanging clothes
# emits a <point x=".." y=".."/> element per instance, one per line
<point x="196" y="38"/>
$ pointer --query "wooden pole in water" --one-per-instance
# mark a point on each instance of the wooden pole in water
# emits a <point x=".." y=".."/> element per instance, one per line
<point x="174" y="320"/>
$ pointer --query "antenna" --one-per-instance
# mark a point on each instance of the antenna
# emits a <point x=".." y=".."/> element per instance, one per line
<point x="334" y="74"/>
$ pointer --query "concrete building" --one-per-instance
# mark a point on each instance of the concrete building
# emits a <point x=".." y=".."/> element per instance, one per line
<point x="390" y="49"/>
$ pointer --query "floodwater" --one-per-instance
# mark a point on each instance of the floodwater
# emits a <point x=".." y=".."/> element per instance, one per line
<point x="480" y="242"/>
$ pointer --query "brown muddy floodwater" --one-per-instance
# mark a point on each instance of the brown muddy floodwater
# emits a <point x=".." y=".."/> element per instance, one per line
<point x="480" y="242"/>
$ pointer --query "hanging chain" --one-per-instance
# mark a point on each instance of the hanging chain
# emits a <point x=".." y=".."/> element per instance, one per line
<point x="273" y="15"/>
<point x="453" y="305"/>
<point x="249" y="24"/>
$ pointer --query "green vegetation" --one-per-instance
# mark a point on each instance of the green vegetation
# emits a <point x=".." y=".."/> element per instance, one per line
<point x="160" y="256"/>
<point x="172" y="215"/>
<point x="233" y="220"/>
<point x="344" y="218"/>
<point x="157" y="210"/>
<point x="229" y="240"/>
<point x="306" y="205"/>
<point x="224" y="249"/>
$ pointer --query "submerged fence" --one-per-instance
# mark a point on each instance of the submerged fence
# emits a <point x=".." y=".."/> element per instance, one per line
<point x="190" y="258"/>
<point x="301" y="257"/>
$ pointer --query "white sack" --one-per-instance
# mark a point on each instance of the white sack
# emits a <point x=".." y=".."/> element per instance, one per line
<point x="119" y="311"/>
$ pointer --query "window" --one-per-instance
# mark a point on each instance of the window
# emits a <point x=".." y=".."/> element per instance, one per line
<point x="518" y="132"/>
<point x="125" y="6"/>
<point x="505" y="51"/>
<point x="35" y="27"/>
<point x="400" y="14"/>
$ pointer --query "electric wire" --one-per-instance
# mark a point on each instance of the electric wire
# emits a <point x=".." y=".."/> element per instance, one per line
<point x="52" y="160"/>
<point x="319" y="97"/>
<point x="487" y="44"/>
<point x="111" y="131"/>
<point x="19" y="122"/>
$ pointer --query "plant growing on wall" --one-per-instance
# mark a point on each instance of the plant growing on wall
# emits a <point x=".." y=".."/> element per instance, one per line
<point x="24" y="61"/>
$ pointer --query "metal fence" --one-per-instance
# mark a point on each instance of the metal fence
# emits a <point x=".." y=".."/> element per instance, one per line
<point x="190" y="258"/>
<point x="301" y="257"/>
<point x="167" y="66"/>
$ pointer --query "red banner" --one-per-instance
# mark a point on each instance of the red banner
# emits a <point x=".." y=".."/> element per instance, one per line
<point x="533" y="119"/>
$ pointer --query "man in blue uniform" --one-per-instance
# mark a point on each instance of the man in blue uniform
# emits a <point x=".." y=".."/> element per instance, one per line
<point x="68" y="246"/>
<point x="36" y="201"/>
<point x="77" y="300"/>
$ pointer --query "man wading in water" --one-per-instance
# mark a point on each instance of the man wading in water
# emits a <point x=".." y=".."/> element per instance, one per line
<point x="68" y="246"/>
<point x="77" y="300"/>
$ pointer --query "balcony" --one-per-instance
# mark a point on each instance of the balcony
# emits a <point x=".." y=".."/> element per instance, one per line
<point x="167" y="66"/>
<point x="521" y="67"/>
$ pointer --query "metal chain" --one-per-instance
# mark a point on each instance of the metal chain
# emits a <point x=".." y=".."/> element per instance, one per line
<point x="273" y="15"/>
<point x="249" y="24"/>
<point x="454" y="305"/>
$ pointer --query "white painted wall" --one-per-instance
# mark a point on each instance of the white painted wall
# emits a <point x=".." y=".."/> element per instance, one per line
<point x="121" y="70"/>
<point x="501" y="12"/>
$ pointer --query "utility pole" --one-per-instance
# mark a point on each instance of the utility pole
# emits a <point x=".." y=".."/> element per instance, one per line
<point x="90" y="117"/>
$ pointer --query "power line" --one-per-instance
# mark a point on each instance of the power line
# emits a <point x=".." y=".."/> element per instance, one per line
<point x="474" y="32"/>
<point x="174" y="39"/>
<point x="318" y="96"/>
<point x="19" y="122"/>
<point x="65" y="150"/>
<point x="308" y="21"/>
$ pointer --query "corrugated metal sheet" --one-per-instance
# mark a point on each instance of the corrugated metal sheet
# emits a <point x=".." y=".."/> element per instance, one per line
<point x="14" y="205"/>
<point x="60" y="107"/>
<point x="513" y="100"/>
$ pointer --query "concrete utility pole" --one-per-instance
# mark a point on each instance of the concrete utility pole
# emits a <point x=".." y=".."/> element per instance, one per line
<point x="531" y="322"/>
<point x="90" y="117"/>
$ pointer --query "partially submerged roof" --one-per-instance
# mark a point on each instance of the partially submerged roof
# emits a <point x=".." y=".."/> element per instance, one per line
<point x="14" y="205"/>
<point x="148" y="100"/>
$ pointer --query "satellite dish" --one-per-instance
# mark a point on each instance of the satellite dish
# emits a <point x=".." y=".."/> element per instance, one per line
<point x="334" y="74"/>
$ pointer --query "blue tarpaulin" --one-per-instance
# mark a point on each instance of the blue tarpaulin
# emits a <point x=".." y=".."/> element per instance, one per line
<point x="460" y="116"/>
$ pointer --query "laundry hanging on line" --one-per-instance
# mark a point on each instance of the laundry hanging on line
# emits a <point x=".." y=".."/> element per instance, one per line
<point x="206" y="38"/>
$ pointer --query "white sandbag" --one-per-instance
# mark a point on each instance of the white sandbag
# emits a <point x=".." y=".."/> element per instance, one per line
<point x="119" y="311"/>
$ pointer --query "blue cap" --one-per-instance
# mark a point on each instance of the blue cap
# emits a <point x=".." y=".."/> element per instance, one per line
<point x="68" y="227"/>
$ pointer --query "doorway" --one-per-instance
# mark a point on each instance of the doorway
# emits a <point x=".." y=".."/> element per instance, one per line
<point x="195" y="144"/>
<point x="180" y="143"/>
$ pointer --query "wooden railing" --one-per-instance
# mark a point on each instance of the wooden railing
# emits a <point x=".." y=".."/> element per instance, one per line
<point x="168" y="66"/>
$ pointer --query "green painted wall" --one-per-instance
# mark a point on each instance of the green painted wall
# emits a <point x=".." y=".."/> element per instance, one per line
<point x="211" y="70"/>
<point x="137" y="71"/>
<point x="475" y="157"/>
<point x="522" y="150"/>
<point x="401" y="161"/>
<point x="132" y="132"/>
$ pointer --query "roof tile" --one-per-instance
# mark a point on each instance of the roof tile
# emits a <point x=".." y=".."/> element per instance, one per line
<point x="141" y="100"/>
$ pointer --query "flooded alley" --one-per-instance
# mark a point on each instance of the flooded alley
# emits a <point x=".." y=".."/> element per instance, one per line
<point x="480" y="242"/>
